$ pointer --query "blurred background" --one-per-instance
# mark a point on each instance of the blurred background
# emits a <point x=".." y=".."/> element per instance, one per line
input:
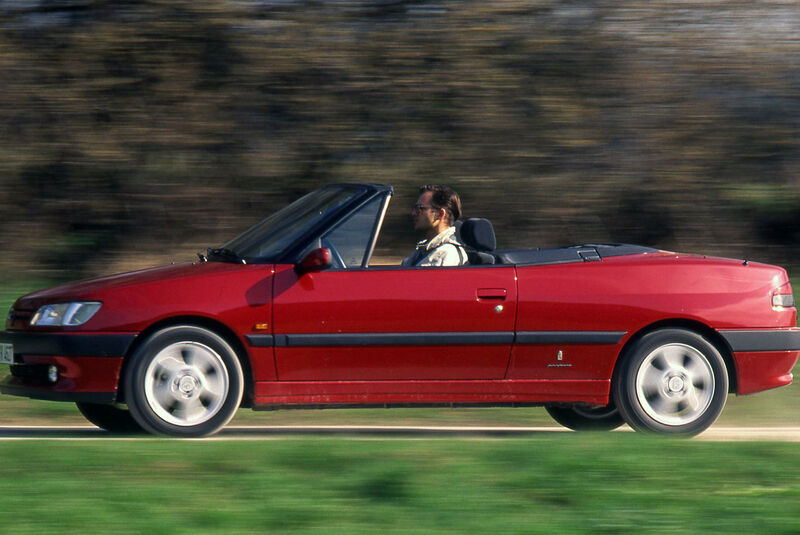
<point x="135" y="133"/>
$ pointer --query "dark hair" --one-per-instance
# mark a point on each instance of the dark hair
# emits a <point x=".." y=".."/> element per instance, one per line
<point x="444" y="197"/>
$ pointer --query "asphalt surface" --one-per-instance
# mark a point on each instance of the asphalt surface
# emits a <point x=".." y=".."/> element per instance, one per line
<point x="718" y="434"/>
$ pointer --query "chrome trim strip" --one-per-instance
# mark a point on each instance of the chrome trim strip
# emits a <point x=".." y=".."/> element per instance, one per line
<point x="569" y="337"/>
<point x="434" y="339"/>
<point x="393" y="339"/>
<point x="259" y="340"/>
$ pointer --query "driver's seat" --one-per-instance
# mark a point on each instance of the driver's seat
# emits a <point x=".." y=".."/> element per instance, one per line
<point x="477" y="236"/>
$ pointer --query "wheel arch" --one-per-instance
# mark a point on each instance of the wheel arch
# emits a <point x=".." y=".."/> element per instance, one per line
<point x="215" y="326"/>
<point x="691" y="325"/>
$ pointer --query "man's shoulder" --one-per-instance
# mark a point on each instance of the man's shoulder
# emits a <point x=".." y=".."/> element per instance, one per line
<point x="449" y="246"/>
<point x="454" y="241"/>
<point x="443" y="237"/>
<point x="447" y="254"/>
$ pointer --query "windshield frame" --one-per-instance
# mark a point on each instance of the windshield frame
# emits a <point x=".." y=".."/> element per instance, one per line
<point x="360" y="194"/>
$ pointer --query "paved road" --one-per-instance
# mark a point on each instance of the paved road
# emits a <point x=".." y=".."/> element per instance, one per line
<point x="721" y="434"/>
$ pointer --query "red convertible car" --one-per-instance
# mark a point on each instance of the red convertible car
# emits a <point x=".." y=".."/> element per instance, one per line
<point x="292" y="314"/>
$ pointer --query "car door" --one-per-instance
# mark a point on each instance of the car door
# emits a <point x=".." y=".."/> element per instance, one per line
<point x="394" y="323"/>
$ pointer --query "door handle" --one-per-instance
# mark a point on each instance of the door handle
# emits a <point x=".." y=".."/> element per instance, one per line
<point x="492" y="293"/>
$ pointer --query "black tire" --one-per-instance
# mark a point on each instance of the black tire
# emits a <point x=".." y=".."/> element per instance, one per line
<point x="581" y="418"/>
<point x="671" y="381"/>
<point x="112" y="418"/>
<point x="184" y="381"/>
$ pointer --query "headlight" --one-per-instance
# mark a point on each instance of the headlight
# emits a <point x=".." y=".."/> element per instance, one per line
<point x="65" y="314"/>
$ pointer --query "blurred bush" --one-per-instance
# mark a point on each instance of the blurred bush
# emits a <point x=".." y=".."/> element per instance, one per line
<point x="138" y="131"/>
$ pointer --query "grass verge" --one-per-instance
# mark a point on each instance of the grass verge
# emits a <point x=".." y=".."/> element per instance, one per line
<point x="548" y="484"/>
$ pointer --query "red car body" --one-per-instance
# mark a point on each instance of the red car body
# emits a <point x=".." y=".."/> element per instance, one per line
<point x="505" y="333"/>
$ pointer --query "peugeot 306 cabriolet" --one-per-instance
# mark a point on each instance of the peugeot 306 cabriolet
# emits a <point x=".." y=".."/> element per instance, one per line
<point x="292" y="314"/>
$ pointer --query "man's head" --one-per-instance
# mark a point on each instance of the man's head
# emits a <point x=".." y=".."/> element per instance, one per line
<point x="437" y="208"/>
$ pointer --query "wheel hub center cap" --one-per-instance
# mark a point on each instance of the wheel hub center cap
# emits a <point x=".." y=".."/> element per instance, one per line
<point x="187" y="384"/>
<point x="675" y="384"/>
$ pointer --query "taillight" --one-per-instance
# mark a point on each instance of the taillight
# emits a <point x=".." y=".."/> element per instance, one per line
<point x="782" y="296"/>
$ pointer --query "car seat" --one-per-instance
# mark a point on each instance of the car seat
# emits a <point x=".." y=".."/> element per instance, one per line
<point x="477" y="236"/>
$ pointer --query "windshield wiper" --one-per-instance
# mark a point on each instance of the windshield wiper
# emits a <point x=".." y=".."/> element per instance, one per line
<point x="225" y="254"/>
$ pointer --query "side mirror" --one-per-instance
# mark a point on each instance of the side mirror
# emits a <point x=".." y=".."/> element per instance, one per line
<point x="316" y="260"/>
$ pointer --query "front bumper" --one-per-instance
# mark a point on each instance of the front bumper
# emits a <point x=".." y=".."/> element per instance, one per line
<point x="764" y="358"/>
<point x="88" y="365"/>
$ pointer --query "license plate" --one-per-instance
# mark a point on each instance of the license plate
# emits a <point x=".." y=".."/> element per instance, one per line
<point x="6" y="353"/>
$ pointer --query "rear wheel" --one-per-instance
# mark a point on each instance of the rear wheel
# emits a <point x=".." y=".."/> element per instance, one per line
<point x="184" y="381"/>
<point x="581" y="418"/>
<point x="671" y="381"/>
<point x="112" y="418"/>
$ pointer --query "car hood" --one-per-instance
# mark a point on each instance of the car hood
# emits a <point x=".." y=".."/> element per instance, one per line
<point x="93" y="288"/>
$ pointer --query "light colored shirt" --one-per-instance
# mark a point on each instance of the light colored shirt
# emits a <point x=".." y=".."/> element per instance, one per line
<point x="441" y="250"/>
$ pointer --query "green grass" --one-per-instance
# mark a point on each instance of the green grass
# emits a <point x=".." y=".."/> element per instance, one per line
<point x="548" y="484"/>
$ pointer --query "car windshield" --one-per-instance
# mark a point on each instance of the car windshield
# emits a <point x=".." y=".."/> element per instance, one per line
<point x="275" y="234"/>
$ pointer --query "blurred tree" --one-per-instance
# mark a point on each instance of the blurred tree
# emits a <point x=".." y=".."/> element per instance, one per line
<point x="136" y="131"/>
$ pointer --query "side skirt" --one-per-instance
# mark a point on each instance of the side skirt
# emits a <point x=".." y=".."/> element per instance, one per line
<point x="297" y="394"/>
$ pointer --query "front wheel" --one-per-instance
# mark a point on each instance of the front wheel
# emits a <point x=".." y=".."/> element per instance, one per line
<point x="184" y="381"/>
<point x="671" y="381"/>
<point x="580" y="418"/>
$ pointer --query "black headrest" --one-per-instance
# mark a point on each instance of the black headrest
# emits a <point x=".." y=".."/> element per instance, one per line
<point x="478" y="233"/>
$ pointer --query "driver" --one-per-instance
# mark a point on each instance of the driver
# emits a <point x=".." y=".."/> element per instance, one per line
<point x="435" y="212"/>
